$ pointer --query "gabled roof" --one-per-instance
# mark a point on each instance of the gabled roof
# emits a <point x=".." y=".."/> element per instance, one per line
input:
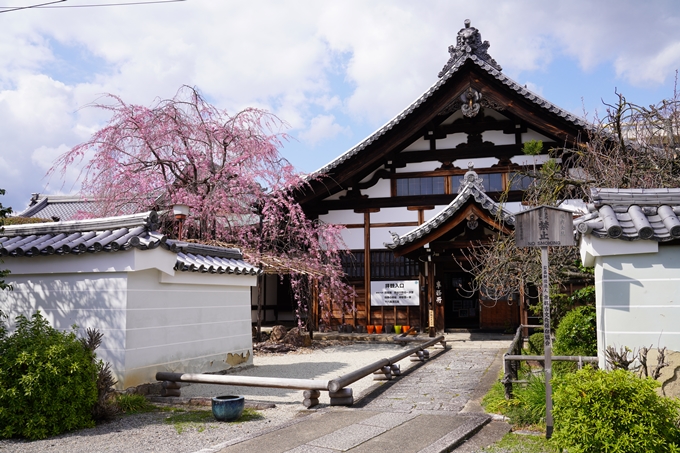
<point x="117" y="234"/>
<point x="632" y="214"/>
<point x="57" y="207"/>
<point x="469" y="48"/>
<point x="472" y="186"/>
<point x="65" y="207"/>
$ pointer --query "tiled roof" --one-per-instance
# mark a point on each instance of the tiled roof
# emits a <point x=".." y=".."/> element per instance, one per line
<point x="59" y="207"/>
<point x="632" y="214"/>
<point x="485" y="62"/>
<point x="64" y="207"/>
<point x="472" y="186"/>
<point x="117" y="234"/>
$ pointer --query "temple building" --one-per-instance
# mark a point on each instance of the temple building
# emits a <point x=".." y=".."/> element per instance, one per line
<point x="418" y="192"/>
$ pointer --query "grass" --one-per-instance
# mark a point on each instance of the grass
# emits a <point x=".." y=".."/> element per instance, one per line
<point x="200" y="420"/>
<point x="527" y="407"/>
<point x="133" y="404"/>
<point x="516" y="443"/>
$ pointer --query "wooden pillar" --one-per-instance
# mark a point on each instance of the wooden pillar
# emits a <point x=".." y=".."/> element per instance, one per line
<point x="431" y="309"/>
<point x="367" y="264"/>
<point x="354" y="305"/>
<point x="315" y="305"/>
<point x="422" y="278"/>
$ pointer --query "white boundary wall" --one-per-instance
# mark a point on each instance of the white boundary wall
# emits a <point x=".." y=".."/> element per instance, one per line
<point x="152" y="318"/>
<point x="637" y="293"/>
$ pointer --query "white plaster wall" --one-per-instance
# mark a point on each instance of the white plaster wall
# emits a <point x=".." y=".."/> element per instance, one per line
<point x="88" y="300"/>
<point x="342" y="217"/>
<point x="494" y="114"/>
<point x="484" y="162"/>
<point x="382" y="189"/>
<point x="419" y="166"/>
<point x="190" y="322"/>
<point x="530" y="160"/>
<point x="336" y="196"/>
<point x="354" y="238"/>
<point x="418" y="145"/>
<point x="498" y="138"/>
<point x="400" y="214"/>
<point x="452" y="140"/>
<point x="531" y="134"/>
<point x="638" y="299"/>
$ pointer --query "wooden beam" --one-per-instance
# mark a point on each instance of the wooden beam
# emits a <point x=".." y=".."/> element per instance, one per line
<point x="465" y="152"/>
<point x="382" y="225"/>
<point x="398" y="202"/>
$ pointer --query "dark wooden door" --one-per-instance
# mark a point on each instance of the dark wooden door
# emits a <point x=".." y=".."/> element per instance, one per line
<point x="461" y="303"/>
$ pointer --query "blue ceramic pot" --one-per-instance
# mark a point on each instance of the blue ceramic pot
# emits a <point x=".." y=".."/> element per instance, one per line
<point x="227" y="408"/>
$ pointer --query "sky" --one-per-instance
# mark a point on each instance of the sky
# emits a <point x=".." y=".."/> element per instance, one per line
<point x="333" y="71"/>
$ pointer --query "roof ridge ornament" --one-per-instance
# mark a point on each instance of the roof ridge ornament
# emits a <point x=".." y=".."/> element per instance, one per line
<point x="469" y="42"/>
<point x="471" y="178"/>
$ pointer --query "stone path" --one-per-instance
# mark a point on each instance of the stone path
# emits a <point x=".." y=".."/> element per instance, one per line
<point x="444" y="383"/>
<point x="419" y="411"/>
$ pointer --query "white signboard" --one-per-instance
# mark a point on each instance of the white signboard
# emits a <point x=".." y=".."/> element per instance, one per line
<point x="395" y="293"/>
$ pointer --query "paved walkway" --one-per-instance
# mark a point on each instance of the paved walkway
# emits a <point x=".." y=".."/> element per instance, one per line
<point x="430" y="408"/>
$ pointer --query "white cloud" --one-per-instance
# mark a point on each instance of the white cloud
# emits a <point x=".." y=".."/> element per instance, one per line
<point x="44" y="156"/>
<point x="322" y="128"/>
<point x="329" y="69"/>
<point x="656" y="69"/>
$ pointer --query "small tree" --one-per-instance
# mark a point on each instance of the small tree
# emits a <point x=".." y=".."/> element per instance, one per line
<point x="227" y="169"/>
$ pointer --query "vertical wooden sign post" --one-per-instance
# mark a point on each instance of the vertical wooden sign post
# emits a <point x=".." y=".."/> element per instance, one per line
<point x="545" y="227"/>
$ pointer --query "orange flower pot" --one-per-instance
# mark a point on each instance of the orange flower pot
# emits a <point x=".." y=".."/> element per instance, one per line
<point x="378" y="329"/>
<point x="405" y="328"/>
<point x="370" y="329"/>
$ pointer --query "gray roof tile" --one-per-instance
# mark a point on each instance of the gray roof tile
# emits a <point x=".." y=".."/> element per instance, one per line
<point x="489" y="66"/>
<point x="117" y="234"/>
<point x="632" y="214"/>
<point x="63" y="207"/>
<point x="471" y="186"/>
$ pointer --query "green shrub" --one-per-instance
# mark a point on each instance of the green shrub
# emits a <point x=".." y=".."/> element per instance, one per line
<point x="47" y="381"/>
<point x="577" y="333"/>
<point x="616" y="411"/>
<point x="536" y="344"/>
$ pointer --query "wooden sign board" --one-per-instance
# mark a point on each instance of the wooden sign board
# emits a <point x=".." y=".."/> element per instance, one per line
<point x="544" y="226"/>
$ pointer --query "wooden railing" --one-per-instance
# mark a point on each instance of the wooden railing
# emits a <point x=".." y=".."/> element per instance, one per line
<point x="513" y="357"/>
<point x="337" y="389"/>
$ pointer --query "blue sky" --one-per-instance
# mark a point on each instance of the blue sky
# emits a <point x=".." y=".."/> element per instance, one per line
<point x="333" y="71"/>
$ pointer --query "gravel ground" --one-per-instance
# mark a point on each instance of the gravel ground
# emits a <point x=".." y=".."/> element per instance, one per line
<point x="149" y="432"/>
